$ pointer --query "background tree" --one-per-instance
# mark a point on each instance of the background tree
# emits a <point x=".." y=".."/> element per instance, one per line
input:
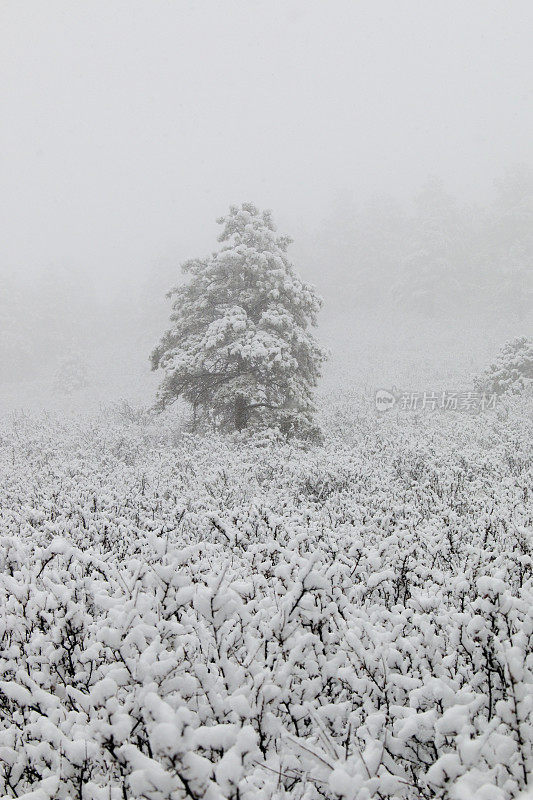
<point x="511" y="239"/>
<point x="239" y="348"/>
<point x="512" y="370"/>
<point x="432" y="268"/>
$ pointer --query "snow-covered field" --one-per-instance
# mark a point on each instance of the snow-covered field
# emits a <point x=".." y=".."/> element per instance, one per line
<point x="183" y="617"/>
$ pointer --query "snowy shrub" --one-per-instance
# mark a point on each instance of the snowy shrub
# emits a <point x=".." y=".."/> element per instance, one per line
<point x="192" y="618"/>
<point x="511" y="372"/>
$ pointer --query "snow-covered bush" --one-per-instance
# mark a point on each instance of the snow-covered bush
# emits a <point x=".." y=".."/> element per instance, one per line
<point x="512" y="370"/>
<point x="192" y="618"/>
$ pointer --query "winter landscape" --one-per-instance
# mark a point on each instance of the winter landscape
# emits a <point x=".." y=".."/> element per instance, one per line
<point x="266" y="468"/>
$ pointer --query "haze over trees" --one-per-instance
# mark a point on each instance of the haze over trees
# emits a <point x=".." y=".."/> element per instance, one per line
<point x="397" y="279"/>
<point x="435" y="257"/>
<point x="239" y="348"/>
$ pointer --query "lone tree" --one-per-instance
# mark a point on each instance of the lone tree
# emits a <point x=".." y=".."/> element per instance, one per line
<point x="239" y="347"/>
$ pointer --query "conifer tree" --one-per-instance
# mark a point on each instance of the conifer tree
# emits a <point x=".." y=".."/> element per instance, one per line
<point x="239" y="348"/>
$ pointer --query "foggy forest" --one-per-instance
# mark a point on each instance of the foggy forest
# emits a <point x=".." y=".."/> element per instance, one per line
<point x="266" y="400"/>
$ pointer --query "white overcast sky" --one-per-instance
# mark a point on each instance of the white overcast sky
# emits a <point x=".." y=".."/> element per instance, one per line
<point x="128" y="127"/>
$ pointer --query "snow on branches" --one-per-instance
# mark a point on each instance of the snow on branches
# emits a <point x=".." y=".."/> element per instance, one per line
<point x="239" y="348"/>
<point x="339" y="622"/>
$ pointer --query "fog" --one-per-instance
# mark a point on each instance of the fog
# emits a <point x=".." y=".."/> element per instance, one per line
<point x="392" y="141"/>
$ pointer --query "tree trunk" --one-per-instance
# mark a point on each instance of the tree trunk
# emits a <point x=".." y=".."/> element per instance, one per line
<point x="241" y="416"/>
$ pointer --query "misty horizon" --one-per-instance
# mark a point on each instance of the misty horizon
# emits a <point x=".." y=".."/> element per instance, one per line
<point x="130" y="128"/>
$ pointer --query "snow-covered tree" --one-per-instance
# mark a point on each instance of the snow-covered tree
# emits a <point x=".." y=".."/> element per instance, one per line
<point x="512" y="370"/>
<point x="239" y="348"/>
